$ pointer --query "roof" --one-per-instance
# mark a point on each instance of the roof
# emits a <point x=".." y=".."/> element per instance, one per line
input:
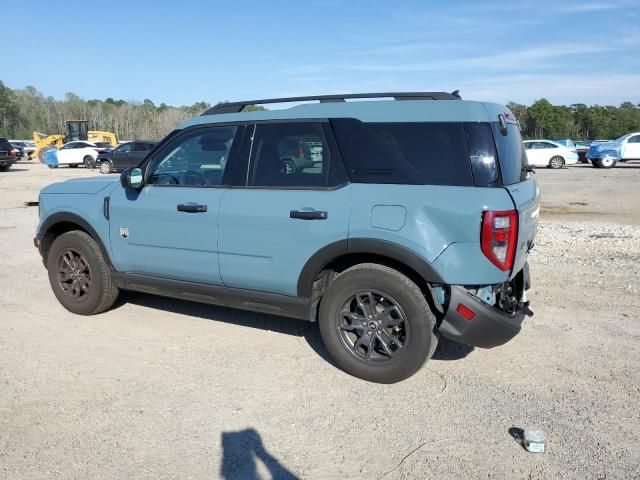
<point x="368" y="111"/>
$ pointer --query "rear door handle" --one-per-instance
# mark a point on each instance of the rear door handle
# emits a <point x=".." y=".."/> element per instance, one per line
<point x="191" y="208"/>
<point x="308" y="215"/>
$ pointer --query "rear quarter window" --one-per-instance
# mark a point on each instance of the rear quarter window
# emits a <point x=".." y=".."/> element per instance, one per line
<point x="511" y="154"/>
<point x="404" y="153"/>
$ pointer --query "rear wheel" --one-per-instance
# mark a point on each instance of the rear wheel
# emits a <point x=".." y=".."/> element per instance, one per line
<point x="79" y="275"/>
<point x="88" y="161"/>
<point x="4" y="168"/>
<point x="556" y="162"/>
<point x="105" y="167"/>
<point x="377" y="324"/>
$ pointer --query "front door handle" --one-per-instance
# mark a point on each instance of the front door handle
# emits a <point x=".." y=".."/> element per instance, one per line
<point x="308" y="215"/>
<point x="191" y="208"/>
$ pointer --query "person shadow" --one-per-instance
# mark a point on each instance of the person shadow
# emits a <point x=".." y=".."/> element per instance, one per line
<point x="241" y="450"/>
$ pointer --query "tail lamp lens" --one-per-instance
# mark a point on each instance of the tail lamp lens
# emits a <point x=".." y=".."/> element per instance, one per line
<point x="499" y="237"/>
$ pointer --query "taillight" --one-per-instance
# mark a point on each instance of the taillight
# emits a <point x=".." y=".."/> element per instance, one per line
<point x="12" y="153"/>
<point x="499" y="237"/>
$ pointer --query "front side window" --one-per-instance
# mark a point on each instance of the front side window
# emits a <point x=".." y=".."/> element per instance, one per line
<point x="126" y="148"/>
<point x="634" y="139"/>
<point x="289" y="155"/>
<point x="68" y="146"/>
<point x="196" y="159"/>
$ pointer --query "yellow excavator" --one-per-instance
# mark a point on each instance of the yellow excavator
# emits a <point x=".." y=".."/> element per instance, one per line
<point x="76" y="130"/>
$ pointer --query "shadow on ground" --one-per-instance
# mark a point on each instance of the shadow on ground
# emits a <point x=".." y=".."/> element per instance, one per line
<point x="451" y="350"/>
<point x="240" y="452"/>
<point x="299" y="328"/>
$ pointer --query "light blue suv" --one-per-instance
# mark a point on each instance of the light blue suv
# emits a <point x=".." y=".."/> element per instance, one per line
<point x="390" y="222"/>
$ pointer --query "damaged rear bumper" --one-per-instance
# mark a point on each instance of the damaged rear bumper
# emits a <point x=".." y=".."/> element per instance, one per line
<point x="489" y="327"/>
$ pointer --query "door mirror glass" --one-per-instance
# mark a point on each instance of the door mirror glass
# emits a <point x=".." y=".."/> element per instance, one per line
<point x="132" y="178"/>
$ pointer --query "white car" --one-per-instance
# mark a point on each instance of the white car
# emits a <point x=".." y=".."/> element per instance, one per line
<point x="546" y="153"/>
<point x="78" y="153"/>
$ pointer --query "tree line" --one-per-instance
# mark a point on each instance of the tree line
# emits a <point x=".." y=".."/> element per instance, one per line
<point x="24" y="110"/>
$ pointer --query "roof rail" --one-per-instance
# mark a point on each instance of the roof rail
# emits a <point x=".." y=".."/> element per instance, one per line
<point x="235" y="107"/>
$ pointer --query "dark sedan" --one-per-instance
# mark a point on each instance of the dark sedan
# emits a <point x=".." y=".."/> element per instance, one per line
<point x="125" y="156"/>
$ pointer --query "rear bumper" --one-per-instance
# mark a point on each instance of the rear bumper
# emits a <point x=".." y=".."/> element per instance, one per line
<point x="489" y="327"/>
<point x="7" y="161"/>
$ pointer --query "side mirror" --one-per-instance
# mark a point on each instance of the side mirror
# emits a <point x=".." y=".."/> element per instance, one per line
<point x="132" y="178"/>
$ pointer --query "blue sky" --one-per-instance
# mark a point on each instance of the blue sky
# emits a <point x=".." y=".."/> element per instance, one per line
<point x="181" y="52"/>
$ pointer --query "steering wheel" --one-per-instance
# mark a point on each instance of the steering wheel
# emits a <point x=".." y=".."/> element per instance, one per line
<point x="191" y="174"/>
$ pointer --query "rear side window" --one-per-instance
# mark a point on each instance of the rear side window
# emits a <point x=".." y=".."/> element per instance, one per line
<point x="4" y="144"/>
<point x="294" y="155"/>
<point x="511" y="153"/>
<point x="404" y="153"/>
<point x="141" y="147"/>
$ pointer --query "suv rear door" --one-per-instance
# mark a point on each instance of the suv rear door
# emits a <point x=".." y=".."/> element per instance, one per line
<point x="140" y="150"/>
<point x="290" y="199"/>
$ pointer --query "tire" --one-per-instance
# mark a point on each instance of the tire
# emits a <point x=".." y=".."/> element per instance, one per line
<point x="4" y="168"/>
<point x="101" y="292"/>
<point x="606" y="162"/>
<point x="105" y="167"/>
<point x="556" y="162"/>
<point x="88" y="161"/>
<point x="345" y="337"/>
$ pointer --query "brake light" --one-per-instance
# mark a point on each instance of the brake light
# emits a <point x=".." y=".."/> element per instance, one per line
<point x="12" y="153"/>
<point x="499" y="237"/>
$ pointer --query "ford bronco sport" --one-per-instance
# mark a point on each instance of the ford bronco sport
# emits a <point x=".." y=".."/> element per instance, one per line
<point x="390" y="222"/>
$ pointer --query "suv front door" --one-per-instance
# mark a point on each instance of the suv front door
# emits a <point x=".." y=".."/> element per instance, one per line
<point x="291" y="200"/>
<point x="120" y="157"/>
<point x="169" y="228"/>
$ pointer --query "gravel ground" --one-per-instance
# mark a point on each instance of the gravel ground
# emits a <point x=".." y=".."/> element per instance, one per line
<point x="158" y="388"/>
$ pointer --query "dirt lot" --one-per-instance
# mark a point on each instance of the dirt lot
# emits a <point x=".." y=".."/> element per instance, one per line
<point x="159" y="388"/>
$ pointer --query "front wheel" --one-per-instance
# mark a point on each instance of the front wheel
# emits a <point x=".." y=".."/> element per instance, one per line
<point x="377" y="324"/>
<point x="556" y="162"/>
<point x="606" y="162"/>
<point x="79" y="275"/>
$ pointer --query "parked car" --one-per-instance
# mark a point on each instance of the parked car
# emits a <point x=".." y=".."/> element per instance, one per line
<point x="607" y="154"/>
<point x="581" y="149"/>
<point x="19" y="151"/>
<point x="28" y="148"/>
<point x="73" y="154"/>
<point x="125" y="156"/>
<point x="7" y="155"/>
<point x="387" y="244"/>
<point x="547" y="153"/>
